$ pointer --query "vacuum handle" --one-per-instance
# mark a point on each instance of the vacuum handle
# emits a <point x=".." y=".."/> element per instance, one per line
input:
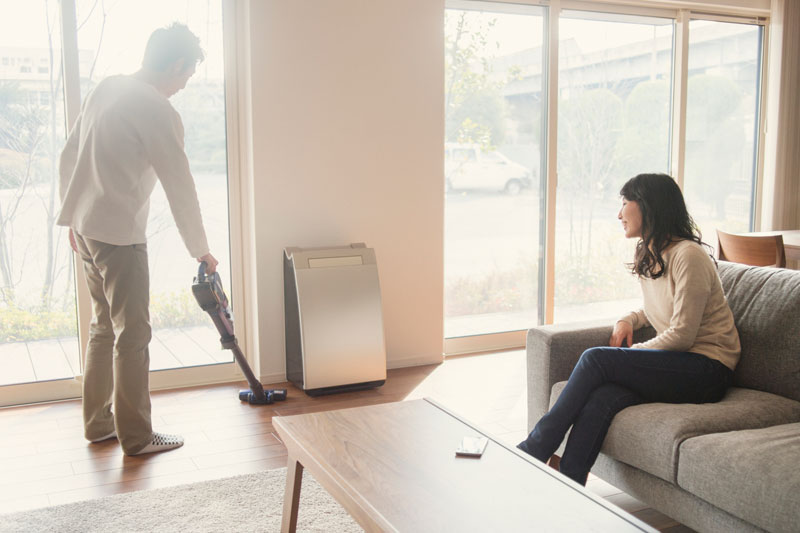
<point x="201" y="271"/>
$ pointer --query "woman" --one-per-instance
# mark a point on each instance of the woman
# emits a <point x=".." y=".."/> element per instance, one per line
<point x="690" y="360"/>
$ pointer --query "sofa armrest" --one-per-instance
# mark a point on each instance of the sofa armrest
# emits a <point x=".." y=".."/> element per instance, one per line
<point x="554" y="350"/>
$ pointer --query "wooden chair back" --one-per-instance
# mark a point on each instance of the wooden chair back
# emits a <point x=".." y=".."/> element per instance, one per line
<point x="751" y="249"/>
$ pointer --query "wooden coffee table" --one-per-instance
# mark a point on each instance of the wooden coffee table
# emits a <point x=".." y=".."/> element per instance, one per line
<point x="393" y="468"/>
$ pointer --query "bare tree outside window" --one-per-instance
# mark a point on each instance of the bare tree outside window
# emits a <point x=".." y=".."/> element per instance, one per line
<point x="37" y="290"/>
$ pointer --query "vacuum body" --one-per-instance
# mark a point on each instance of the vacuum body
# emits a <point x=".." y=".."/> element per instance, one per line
<point x="207" y="290"/>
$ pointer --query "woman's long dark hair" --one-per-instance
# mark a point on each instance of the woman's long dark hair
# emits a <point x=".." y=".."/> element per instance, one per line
<point x="664" y="221"/>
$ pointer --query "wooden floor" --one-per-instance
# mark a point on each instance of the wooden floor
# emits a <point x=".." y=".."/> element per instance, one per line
<point x="44" y="459"/>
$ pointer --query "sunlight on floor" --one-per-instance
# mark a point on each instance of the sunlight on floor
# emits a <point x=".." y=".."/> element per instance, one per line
<point x="497" y="400"/>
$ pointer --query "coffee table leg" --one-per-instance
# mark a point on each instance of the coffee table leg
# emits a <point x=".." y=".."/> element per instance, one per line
<point x="291" y="499"/>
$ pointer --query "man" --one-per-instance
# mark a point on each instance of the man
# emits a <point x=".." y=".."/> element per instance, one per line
<point x="127" y="135"/>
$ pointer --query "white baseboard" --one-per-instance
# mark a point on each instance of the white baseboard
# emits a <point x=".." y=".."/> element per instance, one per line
<point x="414" y="360"/>
<point x="273" y="379"/>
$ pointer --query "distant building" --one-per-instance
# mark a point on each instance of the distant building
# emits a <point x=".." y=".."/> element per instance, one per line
<point x="36" y="73"/>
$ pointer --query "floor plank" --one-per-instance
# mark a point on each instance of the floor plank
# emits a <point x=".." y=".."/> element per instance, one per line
<point x="25" y="503"/>
<point x="655" y="519"/>
<point x="625" y="502"/>
<point x="680" y="528"/>
<point x="600" y="487"/>
<point x="165" y="480"/>
<point x="36" y="473"/>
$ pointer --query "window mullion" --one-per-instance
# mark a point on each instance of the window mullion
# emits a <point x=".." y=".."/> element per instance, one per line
<point x="680" y="77"/>
<point x="72" y="106"/>
<point x="235" y="18"/>
<point x="69" y="57"/>
<point x="552" y="163"/>
<point x="758" y="191"/>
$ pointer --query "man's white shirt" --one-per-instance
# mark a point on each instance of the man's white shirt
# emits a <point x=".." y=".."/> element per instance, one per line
<point x="127" y="136"/>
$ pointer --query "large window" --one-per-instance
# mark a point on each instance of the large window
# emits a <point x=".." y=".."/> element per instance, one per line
<point x="111" y="40"/>
<point x="614" y="82"/>
<point x="38" y="319"/>
<point x="721" y="125"/>
<point x="38" y="328"/>
<point x="610" y="100"/>
<point x="493" y="94"/>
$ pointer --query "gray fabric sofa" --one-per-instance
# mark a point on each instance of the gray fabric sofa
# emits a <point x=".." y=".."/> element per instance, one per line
<point x="728" y="466"/>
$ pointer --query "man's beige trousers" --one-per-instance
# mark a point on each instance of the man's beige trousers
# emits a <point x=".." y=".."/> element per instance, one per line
<point x="117" y="369"/>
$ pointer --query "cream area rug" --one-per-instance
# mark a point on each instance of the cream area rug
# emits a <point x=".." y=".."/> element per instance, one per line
<point x="253" y="502"/>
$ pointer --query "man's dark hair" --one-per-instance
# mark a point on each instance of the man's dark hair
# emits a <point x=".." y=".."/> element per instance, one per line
<point x="167" y="45"/>
<point x="665" y="220"/>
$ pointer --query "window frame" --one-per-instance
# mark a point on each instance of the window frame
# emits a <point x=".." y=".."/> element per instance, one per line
<point x="681" y="15"/>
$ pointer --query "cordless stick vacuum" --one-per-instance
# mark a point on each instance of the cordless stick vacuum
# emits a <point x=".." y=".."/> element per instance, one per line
<point x="208" y="292"/>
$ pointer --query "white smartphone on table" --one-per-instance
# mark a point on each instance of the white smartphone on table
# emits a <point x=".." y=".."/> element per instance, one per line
<point x="472" y="446"/>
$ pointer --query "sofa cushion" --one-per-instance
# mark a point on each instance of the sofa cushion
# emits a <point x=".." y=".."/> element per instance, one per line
<point x="648" y="436"/>
<point x="766" y="308"/>
<point x="751" y="474"/>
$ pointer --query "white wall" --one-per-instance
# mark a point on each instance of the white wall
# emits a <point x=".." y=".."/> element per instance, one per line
<point x="346" y="116"/>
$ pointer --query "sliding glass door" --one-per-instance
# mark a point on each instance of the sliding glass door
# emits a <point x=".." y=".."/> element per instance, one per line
<point x="494" y="64"/>
<point x="614" y="82"/>
<point x="111" y="40"/>
<point x="39" y="346"/>
<point x="38" y="323"/>
<point x="722" y="125"/>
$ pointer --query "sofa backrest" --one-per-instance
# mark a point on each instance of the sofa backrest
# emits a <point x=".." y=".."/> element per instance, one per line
<point x="766" y="308"/>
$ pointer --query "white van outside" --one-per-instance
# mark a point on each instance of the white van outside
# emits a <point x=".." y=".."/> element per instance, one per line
<point x="468" y="167"/>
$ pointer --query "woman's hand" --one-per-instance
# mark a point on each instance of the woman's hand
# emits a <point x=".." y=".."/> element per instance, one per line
<point x="623" y="332"/>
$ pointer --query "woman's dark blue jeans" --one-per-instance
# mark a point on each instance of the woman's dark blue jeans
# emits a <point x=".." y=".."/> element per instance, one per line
<point x="607" y="380"/>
